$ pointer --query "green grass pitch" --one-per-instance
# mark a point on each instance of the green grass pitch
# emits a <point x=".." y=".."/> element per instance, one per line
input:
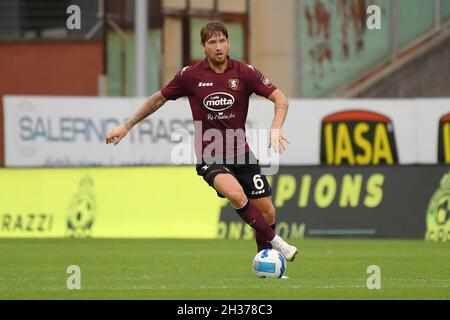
<point x="220" y="269"/>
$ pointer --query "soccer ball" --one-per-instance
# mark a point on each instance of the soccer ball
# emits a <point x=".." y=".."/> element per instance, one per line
<point x="269" y="263"/>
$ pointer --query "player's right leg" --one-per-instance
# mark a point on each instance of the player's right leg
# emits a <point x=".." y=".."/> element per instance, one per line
<point x="229" y="187"/>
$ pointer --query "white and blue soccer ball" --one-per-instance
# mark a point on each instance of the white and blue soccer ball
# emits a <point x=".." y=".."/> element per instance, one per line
<point x="269" y="263"/>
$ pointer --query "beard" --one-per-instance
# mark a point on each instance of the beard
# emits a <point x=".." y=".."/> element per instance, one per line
<point x="218" y="60"/>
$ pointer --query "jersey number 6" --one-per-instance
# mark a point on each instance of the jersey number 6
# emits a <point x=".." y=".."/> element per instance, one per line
<point x="258" y="182"/>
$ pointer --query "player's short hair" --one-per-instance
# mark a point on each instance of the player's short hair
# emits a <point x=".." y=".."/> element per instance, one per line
<point x="212" y="28"/>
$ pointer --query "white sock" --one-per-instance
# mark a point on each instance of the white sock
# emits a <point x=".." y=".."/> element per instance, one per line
<point x="276" y="242"/>
<point x="240" y="207"/>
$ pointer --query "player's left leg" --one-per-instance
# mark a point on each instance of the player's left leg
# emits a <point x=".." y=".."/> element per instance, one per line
<point x="267" y="209"/>
<point x="259" y="192"/>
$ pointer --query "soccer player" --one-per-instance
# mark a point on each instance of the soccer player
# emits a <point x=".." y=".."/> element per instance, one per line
<point x="218" y="89"/>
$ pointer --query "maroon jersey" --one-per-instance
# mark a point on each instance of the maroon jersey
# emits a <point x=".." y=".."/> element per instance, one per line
<point x="219" y="104"/>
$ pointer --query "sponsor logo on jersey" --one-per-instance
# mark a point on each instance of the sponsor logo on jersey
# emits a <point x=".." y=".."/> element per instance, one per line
<point x="205" y="84"/>
<point x="233" y="83"/>
<point x="357" y="137"/>
<point x="218" y="101"/>
<point x="444" y="139"/>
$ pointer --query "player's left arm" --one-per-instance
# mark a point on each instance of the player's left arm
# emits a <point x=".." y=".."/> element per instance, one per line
<point x="277" y="138"/>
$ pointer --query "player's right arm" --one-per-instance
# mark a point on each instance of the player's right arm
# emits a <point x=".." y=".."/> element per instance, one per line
<point x="152" y="104"/>
<point x="172" y="91"/>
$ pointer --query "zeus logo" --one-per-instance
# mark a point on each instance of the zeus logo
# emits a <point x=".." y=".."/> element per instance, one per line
<point x="357" y="137"/>
<point x="218" y="101"/>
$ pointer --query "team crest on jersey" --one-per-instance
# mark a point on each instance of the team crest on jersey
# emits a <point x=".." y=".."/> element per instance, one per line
<point x="233" y="83"/>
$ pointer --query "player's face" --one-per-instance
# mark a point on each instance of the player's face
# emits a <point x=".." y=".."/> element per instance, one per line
<point x="216" y="48"/>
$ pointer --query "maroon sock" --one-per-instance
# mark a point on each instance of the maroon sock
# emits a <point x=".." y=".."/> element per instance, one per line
<point x="254" y="218"/>
<point x="260" y="242"/>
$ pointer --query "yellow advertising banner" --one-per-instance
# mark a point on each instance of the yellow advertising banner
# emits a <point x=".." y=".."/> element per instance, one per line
<point x="103" y="202"/>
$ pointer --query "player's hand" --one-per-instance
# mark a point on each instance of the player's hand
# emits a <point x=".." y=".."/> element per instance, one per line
<point x="116" y="134"/>
<point x="277" y="141"/>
